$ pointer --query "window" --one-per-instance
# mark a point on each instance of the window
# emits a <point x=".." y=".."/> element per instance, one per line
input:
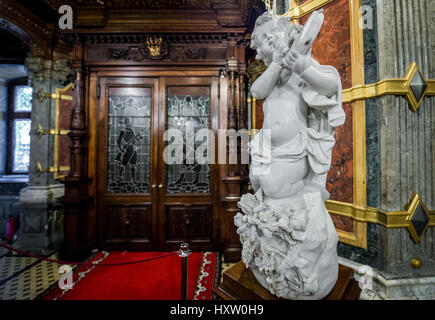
<point x="19" y="111"/>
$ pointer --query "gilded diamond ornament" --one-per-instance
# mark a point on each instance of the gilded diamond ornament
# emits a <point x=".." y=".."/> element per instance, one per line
<point x="418" y="218"/>
<point x="418" y="86"/>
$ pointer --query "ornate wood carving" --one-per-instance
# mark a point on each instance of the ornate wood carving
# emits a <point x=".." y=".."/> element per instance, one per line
<point x="128" y="222"/>
<point x="232" y="70"/>
<point x="122" y="4"/>
<point x="195" y="53"/>
<point x="76" y="199"/>
<point x="154" y="48"/>
<point x="189" y="223"/>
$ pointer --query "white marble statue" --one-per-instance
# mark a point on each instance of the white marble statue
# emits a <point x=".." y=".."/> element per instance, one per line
<point x="287" y="235"/>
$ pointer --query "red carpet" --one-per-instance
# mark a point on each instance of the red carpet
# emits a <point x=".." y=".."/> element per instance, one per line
<point x="153" y="280"/>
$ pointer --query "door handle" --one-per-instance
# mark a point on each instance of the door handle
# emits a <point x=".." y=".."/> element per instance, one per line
<point x="153" y="186"/>
<point x="160" y="186"/>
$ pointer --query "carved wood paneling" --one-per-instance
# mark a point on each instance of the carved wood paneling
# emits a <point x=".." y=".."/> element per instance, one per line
<point x="129" y="222"/>
<point x="189" y="223"/>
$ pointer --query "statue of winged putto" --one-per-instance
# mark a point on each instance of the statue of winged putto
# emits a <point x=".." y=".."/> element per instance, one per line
<point x="287" y="235"/>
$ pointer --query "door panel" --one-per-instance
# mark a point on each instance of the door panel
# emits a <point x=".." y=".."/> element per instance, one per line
<point x="144" y="203"/>
<point x="128" y="154"/>
<point x="127" y="199"/>
<point x="188" y="191"/>
<point x="129" y="222"/>
<point x="192" y="222"/>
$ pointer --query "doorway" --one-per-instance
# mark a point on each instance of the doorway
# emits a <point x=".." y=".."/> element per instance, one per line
<point x="145" y="203"/>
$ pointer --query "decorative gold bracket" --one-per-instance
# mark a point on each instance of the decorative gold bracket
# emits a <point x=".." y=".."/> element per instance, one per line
<point x="393" y="219"/>
<point x="407" y="86"/>
<point x="42" y="95"/>
<point x="40" y="169"/>
<point x="41" y="131"/>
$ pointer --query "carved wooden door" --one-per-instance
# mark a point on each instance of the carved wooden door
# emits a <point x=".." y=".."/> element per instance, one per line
<point x="127" y="146"/>
<point x="188" y="191"/>
<point x="143" y="202"/>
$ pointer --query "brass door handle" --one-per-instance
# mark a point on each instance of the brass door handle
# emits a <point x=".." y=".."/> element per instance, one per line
<point x="160" y="186"/>
<point x="153" y="186"/>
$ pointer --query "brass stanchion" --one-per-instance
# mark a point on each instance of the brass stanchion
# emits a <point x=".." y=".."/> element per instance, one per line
<point x="183" y="253"/>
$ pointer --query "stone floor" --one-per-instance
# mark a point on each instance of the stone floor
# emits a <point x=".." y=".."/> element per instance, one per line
<point x="23" y="278"/>
<point x="224" y="266"/>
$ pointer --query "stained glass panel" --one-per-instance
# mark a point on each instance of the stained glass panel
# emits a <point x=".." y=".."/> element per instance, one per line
<point x="23" y="99"/>
<point x="21" y="145"/>
<point x="185" y="111"/>
<point x="129" y="142"/>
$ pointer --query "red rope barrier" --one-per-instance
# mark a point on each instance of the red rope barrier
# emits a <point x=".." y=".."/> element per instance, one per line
<point x="82" y="263"/>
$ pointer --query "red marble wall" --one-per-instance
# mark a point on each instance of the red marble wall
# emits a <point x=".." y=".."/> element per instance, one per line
<point x="259" y="115"/>
<point x="65" y="108"/>
<point x="332" y="47"/>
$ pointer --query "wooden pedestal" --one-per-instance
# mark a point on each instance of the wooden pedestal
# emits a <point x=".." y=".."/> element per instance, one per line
<point x="239" y="283"/>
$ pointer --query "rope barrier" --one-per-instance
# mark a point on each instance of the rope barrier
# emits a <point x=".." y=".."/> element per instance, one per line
<point x="83" y="263"/>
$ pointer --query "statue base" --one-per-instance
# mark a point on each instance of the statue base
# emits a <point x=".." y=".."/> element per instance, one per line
<point x="239" y="283"/>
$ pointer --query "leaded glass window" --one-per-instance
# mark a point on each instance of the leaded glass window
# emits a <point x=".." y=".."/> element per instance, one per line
<point x="23" y="99"/>
<point x="19" y="112"/>
<point x="128" y="154"/>
<point x="184" y="111"/>
<point x="21" y="147"/>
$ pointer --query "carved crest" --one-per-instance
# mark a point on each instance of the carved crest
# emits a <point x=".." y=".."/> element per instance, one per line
<point x="154" y="48"/>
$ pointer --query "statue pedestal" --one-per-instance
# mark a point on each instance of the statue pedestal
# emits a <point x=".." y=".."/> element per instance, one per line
<point x="239" y="283"/>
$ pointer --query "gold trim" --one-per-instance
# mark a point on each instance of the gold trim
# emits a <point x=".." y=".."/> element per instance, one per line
<point x="54" y="169"/>
<point x="431" y="87"/>
<point x="59" y="92"/>
<point x="416" y="263"/>
<point x="42" y="95"/>
<point x="41" y="132"/>
<point x="391" y="87"/>
<point x="298" y="11"/>
<point x="254" y="115"/>
<point x="390" y="220"/>
<point x="412" y="208"/>
<point x="359" y="237"/>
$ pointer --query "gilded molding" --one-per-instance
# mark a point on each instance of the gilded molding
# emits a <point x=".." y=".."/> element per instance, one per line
<point x="298" y="11"/>
<point x="384" y="87"/>
<point x="390" y="220"/>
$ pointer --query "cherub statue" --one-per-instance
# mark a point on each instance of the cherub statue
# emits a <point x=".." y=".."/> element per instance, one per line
<point x="288" y="238"/>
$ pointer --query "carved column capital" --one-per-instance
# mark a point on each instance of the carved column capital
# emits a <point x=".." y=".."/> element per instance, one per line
<point x="38" y="68"/>
<point x="41" y="69"/>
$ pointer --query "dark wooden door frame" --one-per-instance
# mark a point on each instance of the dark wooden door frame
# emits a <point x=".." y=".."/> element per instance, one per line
<point x="158" y="77"/>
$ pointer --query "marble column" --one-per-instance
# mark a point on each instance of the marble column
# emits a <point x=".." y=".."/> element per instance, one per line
<point x="400" y="152"/>
<point x="41" y="213"/>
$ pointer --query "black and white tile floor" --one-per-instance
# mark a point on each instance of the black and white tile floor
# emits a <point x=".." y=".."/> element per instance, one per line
<point x="23" y="278"/>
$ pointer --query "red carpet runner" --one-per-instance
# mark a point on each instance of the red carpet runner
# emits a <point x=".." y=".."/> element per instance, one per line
<point x="154" y="280"/>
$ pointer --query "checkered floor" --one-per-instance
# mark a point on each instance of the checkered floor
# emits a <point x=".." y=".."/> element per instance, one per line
<point x="23" y="278"/>
<point x="224" y="266"/>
